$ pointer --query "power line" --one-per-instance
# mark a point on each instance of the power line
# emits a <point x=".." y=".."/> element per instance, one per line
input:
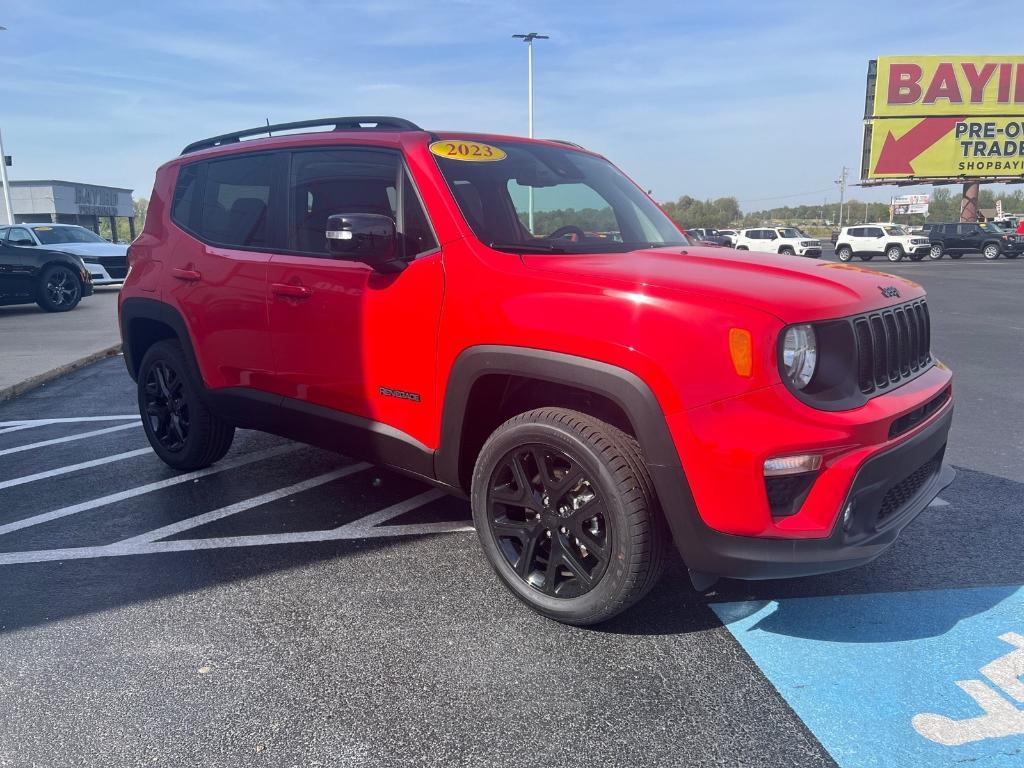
<point x="785" y="197"/>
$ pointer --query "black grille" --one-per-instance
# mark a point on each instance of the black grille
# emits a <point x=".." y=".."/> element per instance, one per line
<point x="892" y="346"/>
<point x="904" y="491"/>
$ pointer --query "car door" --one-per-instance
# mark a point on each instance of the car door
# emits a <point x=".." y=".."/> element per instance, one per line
<point x="345" y="337"/>
<point x="219" y="272"/>
<point x="873" y="240"/>
<point x="969" y="238"/>
<point x="15" y="274"/>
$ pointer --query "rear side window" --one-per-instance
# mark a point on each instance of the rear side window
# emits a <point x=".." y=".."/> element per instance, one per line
<point x="184" y="197"/>
<point x="856" y="232"/>
<point x="236" y="199"/>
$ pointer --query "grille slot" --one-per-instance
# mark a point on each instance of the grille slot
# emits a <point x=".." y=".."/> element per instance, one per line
<point x="892" y="346"/>
<point x="904" y="491"/>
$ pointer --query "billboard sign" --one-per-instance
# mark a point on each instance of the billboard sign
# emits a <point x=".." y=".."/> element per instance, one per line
<point x="907" y="204"/>
<point x="944" y="118"/>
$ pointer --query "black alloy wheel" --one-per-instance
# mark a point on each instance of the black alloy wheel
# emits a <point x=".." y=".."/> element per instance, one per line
<point x="165" y="407"/>
<point x="567" y="515"/>
<point x="60" y="289"/>
<point x="179" y="424"/>
<point x="549" y="521"/>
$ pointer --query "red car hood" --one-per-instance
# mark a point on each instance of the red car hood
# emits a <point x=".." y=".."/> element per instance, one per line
<point x="792" y="288"/>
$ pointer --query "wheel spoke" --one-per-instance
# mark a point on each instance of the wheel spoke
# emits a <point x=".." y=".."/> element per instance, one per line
<point x="161" y="381"/>
<point x="570" y="560"/>
<point x="524" y="565"/>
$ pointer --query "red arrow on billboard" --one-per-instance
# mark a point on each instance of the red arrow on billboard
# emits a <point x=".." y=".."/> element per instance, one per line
<point x="897" y="154"/>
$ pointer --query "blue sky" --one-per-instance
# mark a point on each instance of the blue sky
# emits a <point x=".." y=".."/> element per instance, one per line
<point x="761" y="100"/>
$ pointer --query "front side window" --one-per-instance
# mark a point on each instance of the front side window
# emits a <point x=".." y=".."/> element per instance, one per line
<point x="236" y="199"/>
<point x="20" y="236"/>
<point x="326" y="182"/>
<point x="789" y="232"/>
<point x="550" y="199"/>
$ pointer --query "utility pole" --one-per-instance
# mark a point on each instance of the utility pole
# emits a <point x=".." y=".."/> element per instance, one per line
<point x="6" y="183"/>
<point x="3" y="176"/>
<point x="528" y="38"/>
<point x="841" y="181"/>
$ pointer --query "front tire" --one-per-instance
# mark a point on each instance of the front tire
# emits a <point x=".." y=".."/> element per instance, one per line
<point x="894" y="253"/>
<point x="991" y="252"/>
<point x="786" y="251"/>
<point x="844" y="253"/>
<point x="60" y="289"/>
<point x="182" y="430"/>
<point x="567" y="515"/>
<point x="936" y="251"/>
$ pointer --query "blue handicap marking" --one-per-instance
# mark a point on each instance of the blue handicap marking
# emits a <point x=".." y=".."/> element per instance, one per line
<point x="909" y="679"/>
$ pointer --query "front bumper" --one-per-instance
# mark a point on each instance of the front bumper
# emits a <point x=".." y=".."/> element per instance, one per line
<point x="899" y="482"/>
<point x="112" y="273"/>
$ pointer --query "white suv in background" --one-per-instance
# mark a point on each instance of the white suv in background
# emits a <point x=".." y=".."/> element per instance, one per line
<point x="867" y="240"/>
<point x="785" y="240"/>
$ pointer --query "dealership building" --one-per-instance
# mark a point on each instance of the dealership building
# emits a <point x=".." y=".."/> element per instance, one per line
<point x="68" y="202"/>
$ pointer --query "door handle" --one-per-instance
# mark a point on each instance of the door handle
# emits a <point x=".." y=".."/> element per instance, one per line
<point x="188" y="275"/>
<point x="291" y="290"/>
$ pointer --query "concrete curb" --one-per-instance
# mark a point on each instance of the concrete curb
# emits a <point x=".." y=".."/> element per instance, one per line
<point x="39" y="379"/>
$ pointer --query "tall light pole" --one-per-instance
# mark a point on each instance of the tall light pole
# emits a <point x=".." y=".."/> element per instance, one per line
<point x="528" y="38"/>
<point x="3" y="175"/>
<point x="841" y="181"/>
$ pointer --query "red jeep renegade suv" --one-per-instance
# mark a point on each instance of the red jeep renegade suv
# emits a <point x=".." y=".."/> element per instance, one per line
<point x="516" y="321"/>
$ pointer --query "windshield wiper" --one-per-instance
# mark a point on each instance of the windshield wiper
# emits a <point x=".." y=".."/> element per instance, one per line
<point x="526" y="247"/>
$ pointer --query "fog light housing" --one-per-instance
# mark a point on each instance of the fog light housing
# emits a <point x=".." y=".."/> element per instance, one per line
<point x="792" y="465"/>
<point x="848" y="515"/>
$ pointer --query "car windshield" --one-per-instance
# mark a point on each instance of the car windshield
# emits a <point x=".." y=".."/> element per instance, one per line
<point x="897" y="231"/>
<point x="540" y="199"/>
<point x="790" y="232"/>
<point x="993" y="229"/>
<point x="56" y="235"/>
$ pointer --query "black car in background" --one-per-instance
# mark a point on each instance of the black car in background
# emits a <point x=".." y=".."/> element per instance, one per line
<point x="55" y="281"/>
<point x="710" y="236"/>
<point x="960" y="238"/>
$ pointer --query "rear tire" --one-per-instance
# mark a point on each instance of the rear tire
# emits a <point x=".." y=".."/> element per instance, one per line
<point x="844" y="253"/>
<point x="182" y="430"/>
<point x="567" y="515"/>
<point x="991" y="252"/>
<point x="59" y="289"/>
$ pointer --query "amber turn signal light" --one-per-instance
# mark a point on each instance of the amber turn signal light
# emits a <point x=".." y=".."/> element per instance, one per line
<point x="741" y="347"/>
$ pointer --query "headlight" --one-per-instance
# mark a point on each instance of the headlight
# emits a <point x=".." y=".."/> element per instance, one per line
<point x="799" y="355"/>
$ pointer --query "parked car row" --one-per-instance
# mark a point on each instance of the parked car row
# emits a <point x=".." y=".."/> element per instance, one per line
<point x="896" y="242"/>
<point x="56" y="265"/>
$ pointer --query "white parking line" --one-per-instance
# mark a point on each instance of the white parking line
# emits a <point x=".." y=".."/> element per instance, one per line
<point x="242" y="506"/>
<point x="69" y="438"/>
<point x="112" y="498"/>
<point x="358" y="529"/>
<point x="14" y="426"/>
<point x="73" y="468"/>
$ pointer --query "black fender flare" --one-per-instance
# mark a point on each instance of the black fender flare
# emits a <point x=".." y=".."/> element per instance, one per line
<point x="623" y="387"/>
<point x="139" y="308"/>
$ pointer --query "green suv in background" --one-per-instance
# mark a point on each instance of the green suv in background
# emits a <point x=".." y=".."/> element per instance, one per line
<point x="987" y="239"/>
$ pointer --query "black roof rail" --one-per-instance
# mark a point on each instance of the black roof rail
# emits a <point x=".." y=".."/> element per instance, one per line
<point x="356" y="123"/>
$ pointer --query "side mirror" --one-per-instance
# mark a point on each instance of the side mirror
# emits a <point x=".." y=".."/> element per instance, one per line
<point x="367" y="237"/>
<point x="773" y="236"/>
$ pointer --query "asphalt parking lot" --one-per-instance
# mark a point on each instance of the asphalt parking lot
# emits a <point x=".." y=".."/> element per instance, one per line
<point x="292" y="607"/>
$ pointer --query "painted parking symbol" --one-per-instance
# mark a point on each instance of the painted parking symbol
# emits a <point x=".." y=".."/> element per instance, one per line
<point x="912" y="679"/>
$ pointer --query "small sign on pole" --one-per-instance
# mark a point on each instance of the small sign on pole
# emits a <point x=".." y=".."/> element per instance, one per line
<point x="8" y="161"/>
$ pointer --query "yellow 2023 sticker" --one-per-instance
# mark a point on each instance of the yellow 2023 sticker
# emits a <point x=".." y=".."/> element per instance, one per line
<point x="470" y="151"/>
